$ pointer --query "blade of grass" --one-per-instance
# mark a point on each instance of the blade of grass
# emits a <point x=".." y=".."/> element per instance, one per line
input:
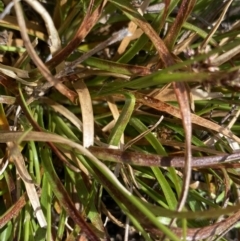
<point x="117" y="67"/>
<point x="55" y="42"/>
<point x="170" y="196"/>
<point x="41" y="66"/>
<point x="63" y="196"/>
<point x="55" y="138"/>
<point x="142" y="159"/>
<point x="63" y="111"/>
<point x="157" y="104"/>
<point x="87" y="200"/>
<point x="183" y="12"/>
<point x="16" y="157"/>
<point x="122" y="156"/>
<point x="87" y="112"/>
<point x="134" y="16"/>
<point x="123" y="119"/>
<point x="183" y="100"/>
<point x="88" y="22"/>
<point x="13" y="211"/>
<point x="217" y="24"/>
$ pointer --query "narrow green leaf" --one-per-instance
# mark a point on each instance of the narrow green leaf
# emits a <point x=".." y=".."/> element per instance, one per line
<point x="123" y="119"/>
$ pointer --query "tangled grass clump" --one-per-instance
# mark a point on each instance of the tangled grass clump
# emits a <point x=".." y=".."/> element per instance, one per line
<point x="119" y="120"/>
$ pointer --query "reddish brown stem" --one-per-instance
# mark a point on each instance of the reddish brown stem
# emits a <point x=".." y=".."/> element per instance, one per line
<point x="142" y="159"/>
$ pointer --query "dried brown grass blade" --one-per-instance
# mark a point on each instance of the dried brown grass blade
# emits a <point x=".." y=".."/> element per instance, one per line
<point x="142" y="159"/>
<point x="87" y="112"/>
<point x="16" y="157"/>
<point x="132" y="27"/>
<point x="183" y="12"/>
<point x="33" y="29"/>
<point x="161" y="106"/>
<point x="183" y="100"/>
<point x="134" y="158"/>
<point x="14" y="210"/>
<point x="165" y="14"/>
<point x="217" y="24"/>
<point x="88" y="22"/>
<point x="53" y="37"/>
<point x="41" y="66"/>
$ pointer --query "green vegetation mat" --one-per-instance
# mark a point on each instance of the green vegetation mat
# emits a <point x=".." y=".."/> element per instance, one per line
<point x="119" y="120"/>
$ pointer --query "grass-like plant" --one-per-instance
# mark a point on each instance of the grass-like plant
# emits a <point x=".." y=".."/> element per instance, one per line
<point x="119" y="114"/>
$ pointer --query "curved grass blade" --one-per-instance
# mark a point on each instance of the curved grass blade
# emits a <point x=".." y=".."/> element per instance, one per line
<point x="123" y="119"/>
<point x="183" y="100"/>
